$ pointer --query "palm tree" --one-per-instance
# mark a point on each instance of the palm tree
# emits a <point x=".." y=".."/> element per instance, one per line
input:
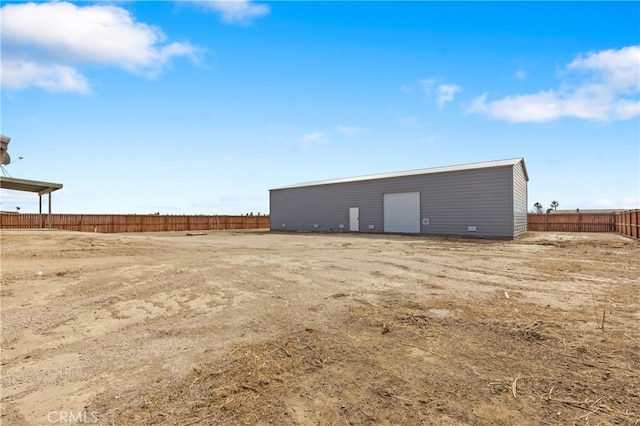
<point x="554" y="205"/>
<point x="538" y="207"/>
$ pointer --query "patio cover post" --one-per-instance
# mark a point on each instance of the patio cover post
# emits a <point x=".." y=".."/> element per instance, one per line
<point x="49" y="211"/>
<point x="40" y="211"/>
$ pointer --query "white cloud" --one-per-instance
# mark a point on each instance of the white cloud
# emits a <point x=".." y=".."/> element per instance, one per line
<point x="406" y="119"/>
<point x="18" y="74"/>
<point x="307" y="141"/>
<point x="608" y="90"/>
<point x="238" y="11"/>
<point x="630" y="203"/>
<point x="350" y="130"/>
<point x="51" y="40"/>
<point x="521" y="74"/>
<point x="405" y="88"/>
<point x="428" y="140"/>
<point x="618" y="69"/>
<point x="539" y="107"/>
<point x="606" y="203"/>
<point x="445" y="93"/>
<point x="624" y="109"/>
<point x="428" y="84"/>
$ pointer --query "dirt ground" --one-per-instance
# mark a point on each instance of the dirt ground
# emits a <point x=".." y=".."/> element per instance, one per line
<point x="260" y="328"/>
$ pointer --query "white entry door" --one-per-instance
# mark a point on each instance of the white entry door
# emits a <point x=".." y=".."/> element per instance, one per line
<point x="402" y="212"/>
<point x="354" y="219"/>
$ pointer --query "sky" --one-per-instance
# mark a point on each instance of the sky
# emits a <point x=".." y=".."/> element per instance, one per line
<point x="201" y="107"/>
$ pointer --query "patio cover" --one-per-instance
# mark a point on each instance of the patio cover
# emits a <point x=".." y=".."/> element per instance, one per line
<point x="41" y="188"/>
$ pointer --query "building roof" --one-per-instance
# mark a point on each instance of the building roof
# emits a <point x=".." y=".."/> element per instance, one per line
<point x="470" y="166"/>
<point x="28" y="185"/>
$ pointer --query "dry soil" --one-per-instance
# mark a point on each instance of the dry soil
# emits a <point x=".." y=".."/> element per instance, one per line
<point x="318" y="329"/>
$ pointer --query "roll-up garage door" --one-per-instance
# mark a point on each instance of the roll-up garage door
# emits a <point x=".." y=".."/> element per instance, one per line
<point x="402" y="212"/>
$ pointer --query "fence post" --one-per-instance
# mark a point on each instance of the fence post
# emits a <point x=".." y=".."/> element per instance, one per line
<point x="546" y="222"/>
<point x="627" y="223"/>
<point x="579" y="222"/>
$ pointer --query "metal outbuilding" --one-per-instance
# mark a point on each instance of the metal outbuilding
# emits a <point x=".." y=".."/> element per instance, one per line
<point x="487" y="199"/>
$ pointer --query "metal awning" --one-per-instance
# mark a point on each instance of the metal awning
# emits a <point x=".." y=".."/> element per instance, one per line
<point x="26" y="185"/>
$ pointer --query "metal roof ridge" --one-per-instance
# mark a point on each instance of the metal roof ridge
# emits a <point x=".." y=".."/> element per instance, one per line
<point x="437" y="169"/>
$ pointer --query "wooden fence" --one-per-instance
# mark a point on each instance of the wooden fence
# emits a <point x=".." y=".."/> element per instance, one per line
<point x="572" y="222"/>
<point x="628" y="223"/>
<point x="131" y="223"/>
<point x="623" y="222"/>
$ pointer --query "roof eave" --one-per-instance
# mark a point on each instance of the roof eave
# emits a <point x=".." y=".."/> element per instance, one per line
<point x="443" y="169"/>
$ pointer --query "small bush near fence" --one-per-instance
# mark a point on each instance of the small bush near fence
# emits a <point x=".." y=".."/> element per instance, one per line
<point x="131" y="223"/>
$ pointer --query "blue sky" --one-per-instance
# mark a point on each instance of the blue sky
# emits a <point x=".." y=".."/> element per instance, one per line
<point x="200" y="107"/>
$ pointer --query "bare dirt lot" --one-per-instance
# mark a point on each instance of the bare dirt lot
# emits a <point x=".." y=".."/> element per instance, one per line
<point x="319" y="329"/>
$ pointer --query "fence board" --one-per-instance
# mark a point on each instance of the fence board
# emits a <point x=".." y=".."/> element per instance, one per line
<point x="131" y="223"/>
<point x="572" y="222"/>
<point x="628" y="223"/>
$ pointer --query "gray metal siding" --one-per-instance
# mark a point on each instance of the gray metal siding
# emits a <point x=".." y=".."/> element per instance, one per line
<point x="451" y="201"/>
<point x="520" y="200"/>
<point x="482" y="198"/>
<point x="328" y="205"/>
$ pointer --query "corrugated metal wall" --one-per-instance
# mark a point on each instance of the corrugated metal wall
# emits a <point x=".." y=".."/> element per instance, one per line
<point x="481" y="198"/>
<point x="520" y="200"/>
<point x="452" y="201"/>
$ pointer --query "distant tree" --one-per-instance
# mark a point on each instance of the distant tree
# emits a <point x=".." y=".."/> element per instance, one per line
<point x="554" y="205"/>
<point x="549" y="210"/>
<point x="538" y="207"/>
